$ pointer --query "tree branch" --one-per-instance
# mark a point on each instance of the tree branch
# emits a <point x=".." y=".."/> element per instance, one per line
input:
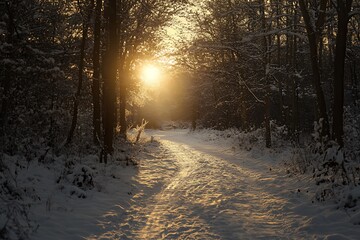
<point x="251" y="92"/>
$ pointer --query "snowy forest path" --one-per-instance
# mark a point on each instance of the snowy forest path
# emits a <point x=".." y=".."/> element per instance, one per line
<point x="193" y="190"/>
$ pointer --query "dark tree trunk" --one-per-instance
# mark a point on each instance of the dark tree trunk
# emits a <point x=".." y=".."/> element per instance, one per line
<point x="266" y="42"/>
<point x="279" y="63"/>
<point x="109" y="91"/>
<point x="96" y="76"/>
<point x="294" y="82"/>
<point x="313" y="38"/>
<point x="343" y="8"/>
<point x="85" y="28"/>
<point x="122" y="110"/>
<point x="320" y="98"/>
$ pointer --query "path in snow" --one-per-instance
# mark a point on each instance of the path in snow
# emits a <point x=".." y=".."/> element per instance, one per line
<point x="205" y="196"/>
<point x="191" y="189"/>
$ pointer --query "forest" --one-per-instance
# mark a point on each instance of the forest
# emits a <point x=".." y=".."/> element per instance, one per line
<point x="78" y="76"/>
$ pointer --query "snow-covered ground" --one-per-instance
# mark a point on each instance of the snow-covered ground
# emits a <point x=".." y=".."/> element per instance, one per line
<point x="203" y="188"/>
<point x="187" y="186"/>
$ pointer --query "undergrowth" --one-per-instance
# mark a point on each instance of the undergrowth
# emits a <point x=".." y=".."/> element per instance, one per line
<point x="335" y="169"/>
<point x="32" y="172"/>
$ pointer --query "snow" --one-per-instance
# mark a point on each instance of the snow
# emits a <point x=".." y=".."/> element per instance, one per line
<point x="62" y="207"/>
<point x="77" y="212"/>
<point x="199" y="185"/>
<point x="239" y="196"/>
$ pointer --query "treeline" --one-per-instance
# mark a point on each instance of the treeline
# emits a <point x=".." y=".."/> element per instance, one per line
<point x="68" y="68"/>
<point x="286" y="62"/>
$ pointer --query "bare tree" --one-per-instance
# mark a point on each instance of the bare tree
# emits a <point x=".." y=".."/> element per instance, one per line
<point x="314" y="28"/>
<point x="109" y="78"/>
<point x="85" y="27"/>
<point x="96" y="74"/>
<point x="343" y="9"/>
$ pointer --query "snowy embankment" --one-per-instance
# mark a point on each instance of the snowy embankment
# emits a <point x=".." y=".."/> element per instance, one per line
<point x="201" y="185"/>
<point x="62" y="197"/>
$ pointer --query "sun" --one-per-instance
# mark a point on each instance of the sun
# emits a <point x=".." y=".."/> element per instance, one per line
<point x="150" y="75"/>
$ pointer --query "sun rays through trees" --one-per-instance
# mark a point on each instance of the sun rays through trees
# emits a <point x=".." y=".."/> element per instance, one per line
<point x="77" y="76"/>
<point x="244" y="64"/>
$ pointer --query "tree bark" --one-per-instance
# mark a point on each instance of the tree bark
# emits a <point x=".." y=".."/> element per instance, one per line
<point x="122" y="110"/>
<point x="266" y="42"/>
<point x="110" y="69"/>
<point x="343" y="9"/>
<point x="96" y="75"/>
<point x="313" y="38"/>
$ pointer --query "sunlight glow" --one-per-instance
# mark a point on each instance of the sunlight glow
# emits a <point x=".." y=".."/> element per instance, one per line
<point x="150" y="75"/>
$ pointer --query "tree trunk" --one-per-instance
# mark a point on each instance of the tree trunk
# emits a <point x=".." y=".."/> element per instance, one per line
<point x="279" y="63"/>
<point x="96" y="75"/>
<point x="266" y="42"/>
<point x="109" y="91"/>
<point x="85" y="28"/>
<point x="343" y="9"/>
<point x="122" y="111"/>
<point x="313" y="39"/>
<point x="294" y="83"/>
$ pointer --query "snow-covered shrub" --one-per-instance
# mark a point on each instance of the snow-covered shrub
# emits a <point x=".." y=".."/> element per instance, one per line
<point x="279" y="135"/>
<point x="298" y="162"/>
<point x="82" y="177"/>
<point x="76" y="178"/>
<point x="247" y="140"/>
<point x="331" y="167"/>
<point x="14" y="221"/>
<point x="330" y="173"/>
<point x="326" y="163"/>
<point x="337" y="170"/>
<point x="319" y="143"/>
<point x="15" y="200"/>
<point x="352" y="139"/>
<point x="76" y="191"/>
<point x="256" y="137"/>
